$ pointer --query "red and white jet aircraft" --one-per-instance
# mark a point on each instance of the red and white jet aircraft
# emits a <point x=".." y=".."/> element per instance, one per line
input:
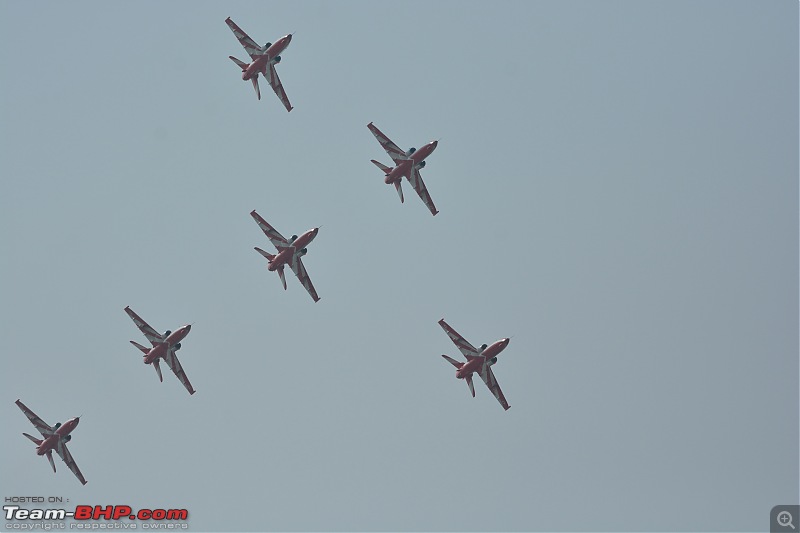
<point x="164" y="347"/>
<point x="289" y="252"/>
<point x="407" y="164"/>
<point x="55" y="439"/>
<point x="264" y="58"/>
<point x="479" y="361"/>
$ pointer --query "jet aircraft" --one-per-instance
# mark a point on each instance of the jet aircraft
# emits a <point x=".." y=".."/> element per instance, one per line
<point x="264" y="58"/>
<point x="407" y="164"/>
<point x="164" y="347"/>
<point x="55" y="439"/>
<point x="289" y="252"/>
<point x="479" y="361"/>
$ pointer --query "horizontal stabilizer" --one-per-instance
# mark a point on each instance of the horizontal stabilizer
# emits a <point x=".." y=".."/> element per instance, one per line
<point x="34" y="439"/>
<point x="453" y="361"/>
<point x="267" y="255"/>
<point x="242" y="64"/>
<point x="381" y="166"/>
<point x="142" y="348"/>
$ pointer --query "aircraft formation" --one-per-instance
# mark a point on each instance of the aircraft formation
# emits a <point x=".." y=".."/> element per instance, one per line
<point x="289" y="252"/>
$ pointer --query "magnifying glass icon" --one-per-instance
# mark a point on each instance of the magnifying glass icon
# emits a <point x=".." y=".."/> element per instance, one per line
<point x="784" y="519"/>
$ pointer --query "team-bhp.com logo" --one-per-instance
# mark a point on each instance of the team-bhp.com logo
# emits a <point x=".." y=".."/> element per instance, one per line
<point x="96" y="512"/>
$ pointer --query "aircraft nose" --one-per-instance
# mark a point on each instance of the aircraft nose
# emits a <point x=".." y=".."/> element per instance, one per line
<point x="188" y="327"/>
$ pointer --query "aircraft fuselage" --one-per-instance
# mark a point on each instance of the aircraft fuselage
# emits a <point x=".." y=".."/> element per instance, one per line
<point x="160" y="349"/>
<point x="260" y="64"/>
<point x="285" y="255"/>
<point x="474" y="365"/>
<point x="404" y="167"/>
<point x="50" y="443"/>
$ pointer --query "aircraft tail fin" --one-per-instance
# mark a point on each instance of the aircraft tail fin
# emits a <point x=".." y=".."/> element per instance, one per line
<point x="34" y="439"/>
<point x="470" y="385"/>
<point x="381" y="166"/>
<point x="453" y="361"/>
<point x="399" y="188"/>
<point x="283" y="277"/>
<point x="242" y="64"/>
<point x="267" y="255"/>
<point x="141" y="348"/>
<point x="50" y="458"/>
<point x="158" y="371"/>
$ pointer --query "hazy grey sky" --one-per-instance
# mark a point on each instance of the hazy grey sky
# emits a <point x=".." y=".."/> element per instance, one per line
<point x="618" y="190"/>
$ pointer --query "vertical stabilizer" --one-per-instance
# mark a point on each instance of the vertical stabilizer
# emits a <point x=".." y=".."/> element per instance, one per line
<point x="158" y="371"/>
<point x="470" y="385"/>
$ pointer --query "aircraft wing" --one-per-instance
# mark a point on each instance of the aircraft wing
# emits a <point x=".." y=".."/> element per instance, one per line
<point x="487" y="376"/>
<point x="469" y="351"/>
<point x="416" y="182"/>
<point x="300" y="271"/>
<point x="252" y="48"/>
<point x="41" y="427"/>
<point x="63" y="452"/>
<point x="275" y="82"/>
<point x="277" y="240"/>
<point x="152" y="335"/>
<point x="175" y="366"/>
<point x="392" y="149"/>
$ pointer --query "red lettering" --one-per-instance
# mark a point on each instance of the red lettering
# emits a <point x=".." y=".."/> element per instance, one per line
<point x="120" y="511"/>
<point x="177" y="514"/>
<point x="83" y="512"/>
<point x="100" y="512"/>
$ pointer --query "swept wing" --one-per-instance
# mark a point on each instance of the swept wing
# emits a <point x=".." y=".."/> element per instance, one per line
<point x="275" y="82"/>
<point x="37" y="422"/>
<point x="277" y="240"/>
<point x="468" y="350"/>
<point x="416" y="182"/>
<point x="487" y="376"/>
<point x="253" y="49"/>
<point x="391" y="148"/>
<point x="63" y="452"/>
<point x="299" y="270"/>
<point x="152" y="335"/>
<point x="172" y="360"/>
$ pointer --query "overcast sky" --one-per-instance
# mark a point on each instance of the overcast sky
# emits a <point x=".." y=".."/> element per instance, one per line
<point x="618" y="190"/>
